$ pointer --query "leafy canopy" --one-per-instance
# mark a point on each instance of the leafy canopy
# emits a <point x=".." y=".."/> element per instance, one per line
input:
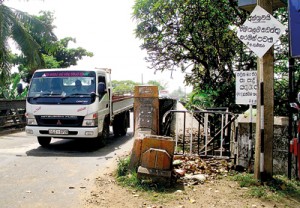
<point x="14" y="27"/>
<point x="55" y="53"/>
<point x="198" y="36"/>
<point x="38" y="46"/>
<point x="195" y="36"/>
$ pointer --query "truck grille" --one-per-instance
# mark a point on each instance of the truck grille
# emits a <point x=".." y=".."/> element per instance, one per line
<point x="63" y="121"/>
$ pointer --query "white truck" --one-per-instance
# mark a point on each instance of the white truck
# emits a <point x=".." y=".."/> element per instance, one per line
<point x="75" y="103"/>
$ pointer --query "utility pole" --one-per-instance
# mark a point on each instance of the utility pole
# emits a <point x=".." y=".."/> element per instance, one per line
<point x="291" y="99"/>
<point x="263" y="168"/>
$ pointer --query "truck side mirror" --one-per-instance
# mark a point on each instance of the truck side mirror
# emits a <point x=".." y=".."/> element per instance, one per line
<point x="19" y="88"/>
<point x="101" y="88"/>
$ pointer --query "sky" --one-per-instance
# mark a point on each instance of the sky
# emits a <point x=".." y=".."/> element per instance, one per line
<point x="106" y="28"/>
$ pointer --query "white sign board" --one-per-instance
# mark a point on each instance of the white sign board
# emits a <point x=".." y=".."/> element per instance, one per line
<point x="246" y="87"/>
<point x="260" y="31"/>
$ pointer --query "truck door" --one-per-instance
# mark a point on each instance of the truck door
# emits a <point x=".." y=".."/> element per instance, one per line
<point x="103" y="109"/>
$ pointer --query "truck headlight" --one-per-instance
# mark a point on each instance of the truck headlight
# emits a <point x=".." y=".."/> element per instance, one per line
<point x="31" y="122"/>
<point x="91" y="120"/>
<point x="30" y="119"/>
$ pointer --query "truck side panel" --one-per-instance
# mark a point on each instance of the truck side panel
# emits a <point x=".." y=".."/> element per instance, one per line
<point x="121" y="105"/>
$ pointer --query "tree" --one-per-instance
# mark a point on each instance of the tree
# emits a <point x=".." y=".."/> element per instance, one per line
<point x="161" y="85"/>
<point x="127" y="86"/>
<point x="45" y="52"/>
<point x="199" y="35"/>
<point x="13" y="26"/>
<point x="193" y="35"/>
<point x="55" y="53"/>
<point x="124" y="86"/>
<point x="281" y="82"/>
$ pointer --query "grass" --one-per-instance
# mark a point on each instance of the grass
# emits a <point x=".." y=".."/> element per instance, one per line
<point x="277" y="189"/>
<point x="154" y="190"/>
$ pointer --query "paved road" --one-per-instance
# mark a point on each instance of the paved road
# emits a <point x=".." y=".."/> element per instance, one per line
<point x="33" y="176"/>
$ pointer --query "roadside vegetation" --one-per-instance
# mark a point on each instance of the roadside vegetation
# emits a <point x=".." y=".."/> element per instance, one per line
<point x="28" y="43"/>
<point x="276" y="190"/>
<point x="280" y="189"/>
<point x="153" y="190"/>
<point x="177" y="35"/>
<point x="199" y="38"/>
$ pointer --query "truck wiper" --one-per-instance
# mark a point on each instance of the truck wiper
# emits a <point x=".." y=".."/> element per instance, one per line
<point x="40" y="95"/>
<point x="74" y="94"/>
<point x="80" y="94"/>
<point x="45" y="94"/>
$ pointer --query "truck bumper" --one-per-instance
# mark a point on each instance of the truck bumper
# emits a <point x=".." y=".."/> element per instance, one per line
<point x="59" y="132"/>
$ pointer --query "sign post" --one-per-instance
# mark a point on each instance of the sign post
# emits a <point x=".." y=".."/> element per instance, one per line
<point x="246" y="94"/>
<point x="259" y="33"/>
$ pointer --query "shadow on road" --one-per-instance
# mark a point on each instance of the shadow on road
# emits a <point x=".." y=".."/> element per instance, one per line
<point x="79" y="147"/>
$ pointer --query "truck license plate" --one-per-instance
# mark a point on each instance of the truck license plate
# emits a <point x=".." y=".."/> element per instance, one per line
<point x="58" y="131"/>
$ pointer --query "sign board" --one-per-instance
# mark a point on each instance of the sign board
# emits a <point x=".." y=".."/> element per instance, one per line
<point x="246" y="87"/>
<point x="294" y="21"/>
<point x="260" y="31"/>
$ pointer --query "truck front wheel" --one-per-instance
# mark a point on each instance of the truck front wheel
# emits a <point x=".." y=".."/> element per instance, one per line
<point x="104" y="134"/>
<point x="44" y="141"/>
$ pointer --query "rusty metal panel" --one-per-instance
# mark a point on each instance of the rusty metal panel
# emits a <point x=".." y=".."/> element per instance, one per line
<point x="147" y="172"/>
<point x="156" y="159"/>
<point x="148" y="158"/>
<point x="157" y="152"/>
<point x="146" y="109"/>
<point x="158" y="142"/>
<point x="163" y="160"/>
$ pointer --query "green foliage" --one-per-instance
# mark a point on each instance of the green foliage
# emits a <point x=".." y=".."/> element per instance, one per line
<point x="245" y="180"/>
<point x="198" y="36"/>
<point x="123" y="164"/>
<point x="10" y="92"/>
<point x="55" y="53"/>
<point x="14" y="26"/>
<point x="69" y="56"/>
<point x="127" y="86"/>
<point x="127" y="178"/>
<point x="38" y="44"/>
<point x="124" y="175"/>
<point x="203" y="99"/>
<point x="160" y="85"/>
<point x="281" y="85"/>
<point x="51" y="62"/>
<point x="277" y="189"/>
<point x="194" y="36"/>
<point x="124" y="86"/>
<point x="258" y="192"/>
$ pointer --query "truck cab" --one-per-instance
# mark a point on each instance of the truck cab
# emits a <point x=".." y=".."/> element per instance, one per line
<point x="70" y="103"/>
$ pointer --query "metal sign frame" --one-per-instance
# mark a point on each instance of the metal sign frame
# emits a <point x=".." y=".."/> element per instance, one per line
<point x="294" y="27"/>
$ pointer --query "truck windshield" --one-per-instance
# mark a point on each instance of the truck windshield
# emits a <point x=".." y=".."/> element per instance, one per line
<point x="64" y="87"/>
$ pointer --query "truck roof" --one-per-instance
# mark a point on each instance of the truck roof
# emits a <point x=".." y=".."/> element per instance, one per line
<point x="107" y="70"/>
